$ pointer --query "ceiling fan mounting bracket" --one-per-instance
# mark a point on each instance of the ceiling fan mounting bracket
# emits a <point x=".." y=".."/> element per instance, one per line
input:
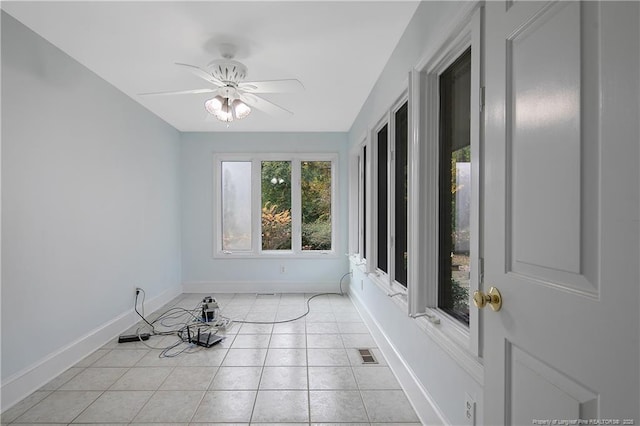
<point x="229" y="91"/>
<point x="228" y="71"/>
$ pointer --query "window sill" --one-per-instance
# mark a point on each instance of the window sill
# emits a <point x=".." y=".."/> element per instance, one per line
<point x="454" y="340"/>
<point x="397" y="293"/>
<point x="358" y="262"/>
<point x="274" y="255"/>
<point x="449" y="336"/>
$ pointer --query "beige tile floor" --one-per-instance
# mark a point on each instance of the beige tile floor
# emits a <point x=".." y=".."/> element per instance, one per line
<point x="303" y="372"/>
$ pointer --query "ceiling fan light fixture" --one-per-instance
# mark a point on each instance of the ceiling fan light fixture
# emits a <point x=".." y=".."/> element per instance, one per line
<point x="224" y="115"/>
<point x="240" y="109"/>
<point x="226" y="110"/>
<point x="214" y="105"/>
<point x="219" y="107"/>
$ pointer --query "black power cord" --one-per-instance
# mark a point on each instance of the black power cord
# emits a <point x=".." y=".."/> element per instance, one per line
<point x="135" y="308"/>
<point x="308" y="307"/>
<point x="196" y="321"/>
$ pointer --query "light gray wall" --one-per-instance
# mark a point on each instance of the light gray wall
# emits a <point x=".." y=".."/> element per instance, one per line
<point x="199" y="269"/>
<point x="90" y="200"/>
<point x="443" y="378"/>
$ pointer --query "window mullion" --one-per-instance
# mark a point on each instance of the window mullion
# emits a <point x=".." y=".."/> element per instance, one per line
<point x="296" y="207"/>
<point x="417" y="186"/>
<point x="256" y="205"/>
<point x="334" y="203"/>
<point x="217" y="202"/>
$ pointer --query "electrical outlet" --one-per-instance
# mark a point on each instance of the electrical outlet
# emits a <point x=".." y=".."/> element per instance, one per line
<point x="282" y="269"/>
<point x="469" y="409"/>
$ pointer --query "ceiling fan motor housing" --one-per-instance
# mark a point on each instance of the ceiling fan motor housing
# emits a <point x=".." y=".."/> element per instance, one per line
<point x="228" y="70"/>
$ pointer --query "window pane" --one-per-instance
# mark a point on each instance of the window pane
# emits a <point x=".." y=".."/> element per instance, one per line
<point x="315" y="189"/>
<point x="236" y="205"/>
<point x="364" y="202"/>
<point x="382" y="199"/>
<point x="359" y="216"/>
<point x="276" y="205"/>
<point x="455" y="189"/>
<point x="401" y="192"/>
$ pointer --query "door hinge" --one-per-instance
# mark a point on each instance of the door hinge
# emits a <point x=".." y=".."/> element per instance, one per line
<point x="481" y="98"/>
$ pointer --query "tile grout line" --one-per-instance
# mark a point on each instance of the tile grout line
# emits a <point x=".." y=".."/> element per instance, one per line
<point x="85" y="408"/>
<point x="102" y="391"/>
<point x="173" y="368"/>
<point x="366" y="412"/>
<point x="264" y="361"/>
<point x="153" y="393"/>
<point x="306" y="352"/>
<point x="204" y="394"/>
<point x="351" y="367"/>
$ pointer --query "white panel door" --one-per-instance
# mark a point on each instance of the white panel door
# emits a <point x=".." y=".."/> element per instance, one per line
<point x="561" y="223"/>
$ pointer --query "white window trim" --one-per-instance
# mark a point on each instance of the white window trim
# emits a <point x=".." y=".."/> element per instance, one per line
<point x="358" y="182"/>
<point x="356" y="214"/>
<point x="354" y="159"/>
<point x="385" y="280"/>
<point x="404" y="98"/>
<point x="373" y="255"/>
<point x="462" y="342"/>
<point x="256" y="223"/>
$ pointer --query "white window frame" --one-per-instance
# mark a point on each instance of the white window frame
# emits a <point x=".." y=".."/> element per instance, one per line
<point x="256" y="202"/>
<point x="359" y="170"/>
<point x="382" y="276"/>
<point x="462" y="342"/>
<point x="383" y="279"/>
<point x="391" y="253"/>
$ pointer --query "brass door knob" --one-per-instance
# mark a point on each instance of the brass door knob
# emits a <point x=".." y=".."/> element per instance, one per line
<point x="493" y="298"/>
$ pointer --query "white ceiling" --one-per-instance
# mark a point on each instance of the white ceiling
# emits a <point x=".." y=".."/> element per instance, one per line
<point x="336" y="49"/>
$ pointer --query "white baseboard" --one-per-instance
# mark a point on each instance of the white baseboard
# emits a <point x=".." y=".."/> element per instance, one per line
<point x="32" y="378"/>
<point x="260" y="287"/>
<point x="422" y="402"/>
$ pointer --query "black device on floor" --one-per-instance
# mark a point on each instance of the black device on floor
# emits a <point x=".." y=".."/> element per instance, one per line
<point x="209" y="309"/>
<point x="203" y="339"/>
<point x="208" y="315"/>
<point x="133" y="337"/>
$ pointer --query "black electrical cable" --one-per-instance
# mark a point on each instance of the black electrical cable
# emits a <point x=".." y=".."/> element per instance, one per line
<point x="135" y="308"/>
<point x="303" y="315"/>
<point x="175" y="313"/>
<point x="172" y="313"/>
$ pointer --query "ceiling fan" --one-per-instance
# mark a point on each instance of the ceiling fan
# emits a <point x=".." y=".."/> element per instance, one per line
<point x="233" y="96"/>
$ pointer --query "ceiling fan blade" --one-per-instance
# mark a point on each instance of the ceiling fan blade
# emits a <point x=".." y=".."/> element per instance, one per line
<point x="255" y="101"/>
<point x="272" y="86"/>
<point x="180" y="92"/>
<point x="202" y="74"/>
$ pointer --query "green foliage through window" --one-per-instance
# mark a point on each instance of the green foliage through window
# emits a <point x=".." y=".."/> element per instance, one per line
<point x="276" y="205"/>
<point x="315" y="186"/>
